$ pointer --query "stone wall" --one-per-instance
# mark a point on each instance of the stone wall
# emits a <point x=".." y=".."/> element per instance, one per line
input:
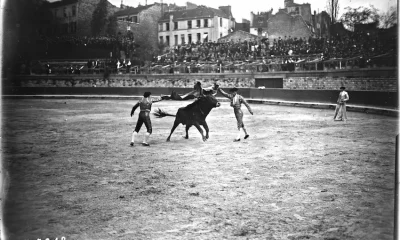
<point x="360" y="80"/>
<point x="138" y="81"/>
<point x="332" y="83"/>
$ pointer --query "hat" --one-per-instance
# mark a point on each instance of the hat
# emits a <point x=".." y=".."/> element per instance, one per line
<point x="146" y="94"/>
<point x="233" y="89"/>
<point x="342" y="88"/>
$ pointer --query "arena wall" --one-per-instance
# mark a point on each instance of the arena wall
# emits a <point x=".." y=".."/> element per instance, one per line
<point x="365" y="98"/>
<point x="353" y="80"/>
<point x="371" y="87"/>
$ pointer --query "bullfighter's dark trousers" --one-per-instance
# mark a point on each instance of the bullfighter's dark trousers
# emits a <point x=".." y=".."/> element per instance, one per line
<point x="144" y="117"/>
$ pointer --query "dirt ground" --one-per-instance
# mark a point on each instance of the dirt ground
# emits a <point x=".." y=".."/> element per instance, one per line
<point x="300" y="175"/>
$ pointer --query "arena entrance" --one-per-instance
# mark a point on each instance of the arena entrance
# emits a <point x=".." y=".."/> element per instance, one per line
<point x="269" y="82"/>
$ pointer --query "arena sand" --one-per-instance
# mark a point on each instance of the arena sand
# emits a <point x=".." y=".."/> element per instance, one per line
<point x="300" y="175"/>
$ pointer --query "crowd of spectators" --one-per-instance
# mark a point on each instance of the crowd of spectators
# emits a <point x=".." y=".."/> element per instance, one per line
<point x="125" y="43"/>
<point x="352" y="45"/>
<point x="286" y="50"/>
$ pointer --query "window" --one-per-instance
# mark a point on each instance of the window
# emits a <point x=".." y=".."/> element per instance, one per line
<point x="167" y="27"/>
<point x="220" y="22"/>
<point x="189" y="38"/>
<point x="73" y="11"/>
<point x="198" y="23"/>
<point x="65" y="12"/>
<point x="175" y="25"/>
<point x="65" y="28"/>
<point x="198" y="37"/>
<point x="56" y="13"/>
<point x="182" y="38"/>
<point x="161" y="39"/>
<point x="205" y="37"/>
<point x="73" y="27"/>
<point x="167" y="40"/>
<point x="220" y="35"/>
<point x="160" y="27"/>
<point x="190" y="24"/>
<point x="135" y="19"/>
<point x="205" y="22"/>
<point x="176" y="39"/>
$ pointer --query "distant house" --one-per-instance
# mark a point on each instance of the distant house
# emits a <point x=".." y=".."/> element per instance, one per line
<point x="259" y="23"/>
<point x="304" y="10"/>
<point x="284" y="25"/>
<point x="129" y="18"/>
<point x="74" y="16"/>
<point x="321" y="24"/>
<point x="243" y="26"/>
<point x="195" y="24"/>
<point x="294" y="20"/>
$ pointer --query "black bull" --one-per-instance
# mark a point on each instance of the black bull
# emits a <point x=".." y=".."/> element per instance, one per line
<point x="193" y="114"/>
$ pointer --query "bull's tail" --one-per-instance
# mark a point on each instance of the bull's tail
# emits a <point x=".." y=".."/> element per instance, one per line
<point x="160" y="114"/>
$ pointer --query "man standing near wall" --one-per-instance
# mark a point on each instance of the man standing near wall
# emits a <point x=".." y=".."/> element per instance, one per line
<point x="341" y="105"/>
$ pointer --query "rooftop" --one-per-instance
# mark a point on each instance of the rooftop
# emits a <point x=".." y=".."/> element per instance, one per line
<point x="132" y="10"/>
<point x="199" y="12"/>
<point x="62" y="3"/>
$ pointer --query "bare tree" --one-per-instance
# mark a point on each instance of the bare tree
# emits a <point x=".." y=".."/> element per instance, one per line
<point x="332" y="7"/>
<point x="389" y="18"/>
<point x="360" y="15"/>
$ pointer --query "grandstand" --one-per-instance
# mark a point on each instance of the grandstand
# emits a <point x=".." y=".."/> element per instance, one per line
<point x="73" y="55"/>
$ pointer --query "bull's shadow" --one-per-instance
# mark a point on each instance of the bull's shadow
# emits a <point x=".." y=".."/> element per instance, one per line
<point x="194" y="114"/>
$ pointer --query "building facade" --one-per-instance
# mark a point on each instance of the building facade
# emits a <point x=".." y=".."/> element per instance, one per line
<point x="284" y="25"/>
<point x="243" y="26"/>
<point x="259" y="23"/>
<point x="321" y="24"/>
<point x="304" y="10"/>
<point x="130" y="18"/>
<point x="73" y="17"/>
<point x="294" y="20"/>
<point x="200" y="24"/>
<point x="65" y="17"/>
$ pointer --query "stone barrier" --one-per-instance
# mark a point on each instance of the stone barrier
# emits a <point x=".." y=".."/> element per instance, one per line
<point x="366" y="98"/>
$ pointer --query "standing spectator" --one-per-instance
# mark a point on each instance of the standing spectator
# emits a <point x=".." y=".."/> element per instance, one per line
<point x="340" y="111"/>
